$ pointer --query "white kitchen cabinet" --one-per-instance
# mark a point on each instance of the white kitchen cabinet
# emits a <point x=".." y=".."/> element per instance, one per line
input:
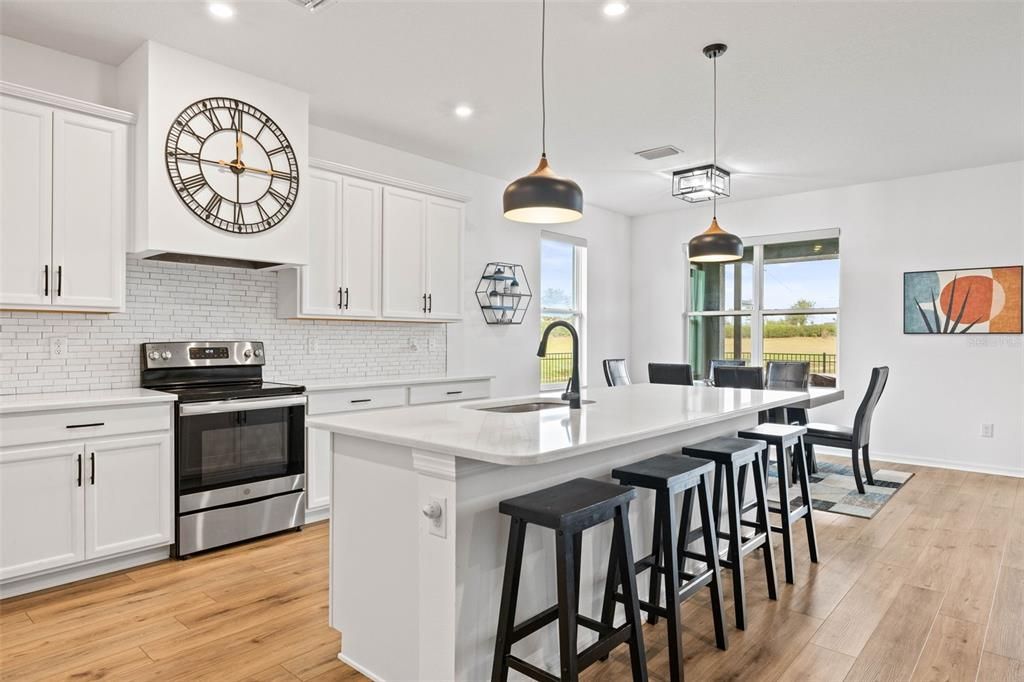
<point x="41" y="498"/>
<point x="318" y="283"/>
<point x="360" y="247"/>
<point x="405" y="272"/>
<point x="444" y="258"/>
<point x="318" y="469"/>
<point x="128" y="494"/>
<point x="64" y="216"/>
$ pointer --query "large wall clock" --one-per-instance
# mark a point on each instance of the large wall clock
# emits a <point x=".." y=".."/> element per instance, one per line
<point x="232" y="165"/>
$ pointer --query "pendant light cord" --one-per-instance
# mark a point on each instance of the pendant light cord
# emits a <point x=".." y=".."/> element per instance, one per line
<point x="714" y="137"/>
<point x="543" y="92"/>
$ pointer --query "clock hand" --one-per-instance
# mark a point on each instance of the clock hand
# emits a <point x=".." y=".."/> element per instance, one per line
<point x="242" y="166"/>
<point x="238" y="146"/>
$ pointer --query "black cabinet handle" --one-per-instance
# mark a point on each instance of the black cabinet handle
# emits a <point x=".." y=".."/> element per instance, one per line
<point x="92" y="468"/>
<point x="346" y="298"/>
<point x="83" y="426"/>
<point x="424" y="303"/>
<point x="430" y="303"/>
<point x="46" y="280"/>
<point x="361" y="400"/>
<point x="340" y="303"/>
<point x="454" y="392"/>
<point x="60" y="278"/>
<point x="79" y="470"/>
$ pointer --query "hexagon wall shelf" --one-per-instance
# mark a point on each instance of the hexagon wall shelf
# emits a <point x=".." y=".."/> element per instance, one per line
<point x="503" y="293"/>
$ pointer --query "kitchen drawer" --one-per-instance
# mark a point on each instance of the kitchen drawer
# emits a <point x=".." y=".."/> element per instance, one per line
<point x="349" y="400"/>
<point x="85" y="424"/>
<point x="439" y="393"/>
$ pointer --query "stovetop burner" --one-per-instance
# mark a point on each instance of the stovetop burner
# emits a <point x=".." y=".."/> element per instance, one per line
<point x="266" y="389"/>
<point x="209" y="370"/>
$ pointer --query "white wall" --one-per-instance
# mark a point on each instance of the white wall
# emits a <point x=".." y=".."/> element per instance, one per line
<point x="45" y="69"/>
<point x="941" y="389"/>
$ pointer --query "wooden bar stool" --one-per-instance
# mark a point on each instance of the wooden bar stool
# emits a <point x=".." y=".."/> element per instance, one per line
<point x="668" y="475"/>
<point x="733" y="457"/>
<point x="569" y="509"/>
<point x="783" y="436"/>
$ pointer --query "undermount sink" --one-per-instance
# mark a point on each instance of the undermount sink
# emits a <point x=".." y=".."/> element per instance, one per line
<point x="532" y="406"/>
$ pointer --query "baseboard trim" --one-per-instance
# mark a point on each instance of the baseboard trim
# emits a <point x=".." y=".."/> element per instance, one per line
<point x="363" y="669"/>
<point x="925" y="461"/>
<point x="317" y="515"/>
<point x="62" y="576"/>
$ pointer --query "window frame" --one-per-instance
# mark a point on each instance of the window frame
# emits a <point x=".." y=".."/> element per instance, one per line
<point x="577" y="309"/>
<point x="757" y="313"/>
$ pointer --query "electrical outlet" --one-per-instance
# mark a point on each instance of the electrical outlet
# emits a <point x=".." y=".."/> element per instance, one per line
<point x="433" y="343"/>
<point x="436" y="511"/>
<point x="58" y="347"/>
<point x="312" y="345"/>
<point x="988" y="430"/>
<point x="413" y="346"/>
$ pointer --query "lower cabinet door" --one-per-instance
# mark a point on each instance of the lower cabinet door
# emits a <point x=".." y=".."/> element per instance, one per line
<point x="41" y="492"/>
<point x="127" y="494"/>
<point x="318" y="468"/>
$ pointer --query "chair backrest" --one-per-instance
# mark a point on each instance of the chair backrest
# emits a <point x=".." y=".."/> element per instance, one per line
<point x="712" y="364"/>
<point x="615" y="372"/>
<point x="739" y="377"/>
<point x="784" y="375"/>
<point x="862" y="420"/>
<point x="670" y="373"/>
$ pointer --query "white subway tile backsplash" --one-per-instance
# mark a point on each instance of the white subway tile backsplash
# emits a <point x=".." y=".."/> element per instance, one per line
<point x="180" y="302"/>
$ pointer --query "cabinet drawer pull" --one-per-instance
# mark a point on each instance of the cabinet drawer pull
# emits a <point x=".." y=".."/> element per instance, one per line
<point x="46" y="280"/>
<point x="92" y="468"/>
<point x="79" y="470"/>
<point x="346" y="298"/>
<point x="454" y="392"/>
<point x="361" y="400"/>
<point x="60" y="278"/>
<point x="341" y="299"/>
<point x="83" y="426"/>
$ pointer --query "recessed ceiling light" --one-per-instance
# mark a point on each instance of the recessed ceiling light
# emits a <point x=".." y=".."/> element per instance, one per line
<point x="221" y="10"/>
<point x="463" y="111"/>
<point x="615" y="8"/>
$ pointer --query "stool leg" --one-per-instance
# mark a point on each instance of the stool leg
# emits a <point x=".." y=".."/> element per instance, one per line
<point x="577" y="556"/>
<point x="509" y="596"/>
<point x="654" y="588"/>
<point x="787" y="535"/>
<point x="711" y="552"/>
<point x="805" y="492"/>
<point x="684" y="528"/>
<point x="867" y="467"/>
<point x="611" y="584"/>
<point x="637" y="654"/>
<point x="567" y="629"/>
<point x="735" y="553"/>
<point x="665" y="508"/>
<point x="764" y="526"/>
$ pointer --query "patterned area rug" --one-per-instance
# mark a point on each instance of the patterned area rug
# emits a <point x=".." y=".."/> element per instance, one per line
<point x="833" y="489"/>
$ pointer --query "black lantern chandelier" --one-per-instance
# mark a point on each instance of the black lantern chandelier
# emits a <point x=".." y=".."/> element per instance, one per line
<point x="713" y="245"/>
<point x="542" y="196"/>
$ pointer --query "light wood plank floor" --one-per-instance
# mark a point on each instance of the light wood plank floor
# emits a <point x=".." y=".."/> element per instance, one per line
<point x="932" y="588"/>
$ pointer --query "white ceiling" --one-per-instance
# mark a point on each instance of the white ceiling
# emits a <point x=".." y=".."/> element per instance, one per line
<point x="812" y="94"/>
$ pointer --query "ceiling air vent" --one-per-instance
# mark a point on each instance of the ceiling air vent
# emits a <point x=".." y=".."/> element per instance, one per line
<point x="312" y="5"/>
<point x="659" y="152"/>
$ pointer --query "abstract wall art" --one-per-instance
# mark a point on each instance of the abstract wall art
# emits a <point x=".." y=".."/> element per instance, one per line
<point x="965" y="301"/>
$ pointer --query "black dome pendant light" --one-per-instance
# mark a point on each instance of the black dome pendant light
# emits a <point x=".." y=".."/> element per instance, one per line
<point x="715" y="245"/>
<point x="542" y="196"/>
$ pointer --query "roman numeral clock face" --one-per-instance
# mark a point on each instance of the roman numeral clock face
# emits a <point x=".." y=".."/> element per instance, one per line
<point x="232" y="165"/>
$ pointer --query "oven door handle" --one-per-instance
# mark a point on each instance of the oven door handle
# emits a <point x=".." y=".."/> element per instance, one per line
<point x="218" y="406"/>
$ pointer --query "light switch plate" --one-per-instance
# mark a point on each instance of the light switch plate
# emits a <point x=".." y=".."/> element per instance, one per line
<point x="988" y="430"/>
<point x="58" y="347"/>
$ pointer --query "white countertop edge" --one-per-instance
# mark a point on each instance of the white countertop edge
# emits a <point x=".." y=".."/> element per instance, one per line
<point x="69" y="400"/>
<point x="540" y="458"/>
<point x="369" y="382"/>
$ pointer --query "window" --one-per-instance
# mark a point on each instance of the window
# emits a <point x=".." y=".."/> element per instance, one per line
<point x="562" y="297"/>
<point x="780" y="302"/>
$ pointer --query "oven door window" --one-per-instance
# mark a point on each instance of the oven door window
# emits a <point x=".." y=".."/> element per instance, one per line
<point x="230" y="448"/>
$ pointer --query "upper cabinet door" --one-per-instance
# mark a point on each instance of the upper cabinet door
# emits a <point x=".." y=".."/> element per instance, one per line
<point x="360" y="248"/>
<point x="89" y="211"/>
<point x="41" y="492"/>
<point x="128" y="485"/>
<point x="321" y="279"/>
<point x="444" y="258"/>
<point x="26" y="170"/>
<point x="404" y="238"/>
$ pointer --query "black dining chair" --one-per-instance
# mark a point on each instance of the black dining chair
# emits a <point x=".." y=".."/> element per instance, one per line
<point x="739" y="377"/>
<point x="615" y="372"/>
<point x="787" y="376"/>
<point x="855" y="438"/>
<point x="670" y="373"/>
<point x="712" y="364"/>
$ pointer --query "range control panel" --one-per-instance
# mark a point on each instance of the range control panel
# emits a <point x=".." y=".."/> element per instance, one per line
<point x="202" y="354"/>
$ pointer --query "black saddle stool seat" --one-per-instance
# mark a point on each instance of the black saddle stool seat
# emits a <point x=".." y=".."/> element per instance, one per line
<point x="733" y="458"/>
<point x="568" y="508"/>
<point x="781" y="437"/>
<point x="668" y="475"/>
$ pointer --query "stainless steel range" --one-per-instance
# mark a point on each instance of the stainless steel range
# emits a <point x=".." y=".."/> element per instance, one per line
<point x="239" y="442"/>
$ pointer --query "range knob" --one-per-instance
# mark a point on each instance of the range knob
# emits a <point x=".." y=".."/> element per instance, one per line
<point x="154" y="355"/>
<point x="166" y="355"/>
<point x="259" y="352"/>
<point x="247" y="353"/>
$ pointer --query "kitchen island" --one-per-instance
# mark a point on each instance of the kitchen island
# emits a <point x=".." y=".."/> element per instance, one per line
<point x="418" y="546"/>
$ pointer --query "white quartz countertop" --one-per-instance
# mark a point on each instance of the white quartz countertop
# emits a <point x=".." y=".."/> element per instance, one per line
<point x="371" y="382"/>
<point x="35" y="402"/>
<point x="617" y="416"/>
